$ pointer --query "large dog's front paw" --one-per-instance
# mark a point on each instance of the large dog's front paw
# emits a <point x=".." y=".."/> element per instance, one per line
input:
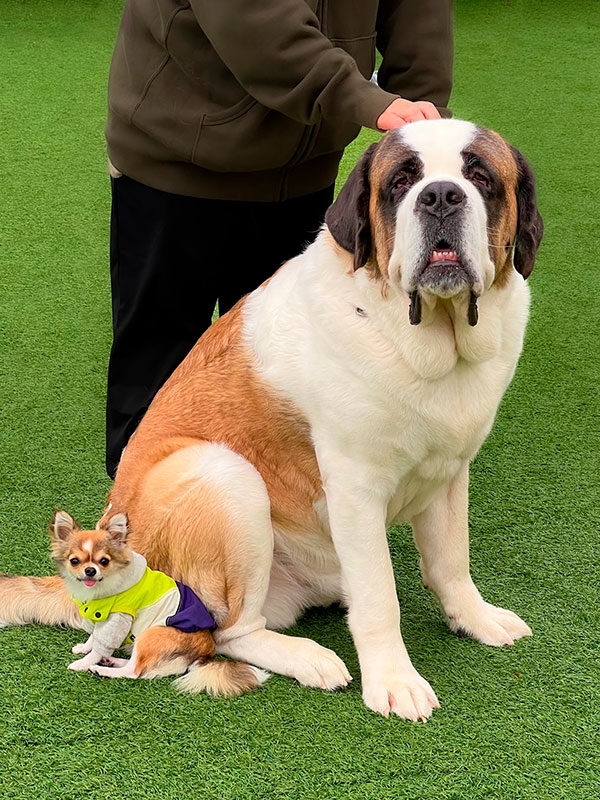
<point x="406" y="694"/>
<point x="317" y="666"/>
<point x="488" y="624"/>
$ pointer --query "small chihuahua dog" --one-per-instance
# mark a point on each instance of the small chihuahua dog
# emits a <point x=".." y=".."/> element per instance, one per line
<point x="123" y="602"/>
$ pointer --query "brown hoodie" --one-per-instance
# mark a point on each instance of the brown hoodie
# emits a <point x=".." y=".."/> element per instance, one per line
<point x="256" y="99"/>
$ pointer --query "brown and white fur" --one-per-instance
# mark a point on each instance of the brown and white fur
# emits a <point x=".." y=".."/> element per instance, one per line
<point x="314" y="414"/>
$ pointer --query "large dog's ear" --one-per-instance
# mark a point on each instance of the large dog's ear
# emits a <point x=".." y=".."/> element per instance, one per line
<point x="348" y="217"/>
<point x="530" y="226"/>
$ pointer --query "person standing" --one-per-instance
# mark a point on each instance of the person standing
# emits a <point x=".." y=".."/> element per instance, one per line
<point x="227" y="121"/>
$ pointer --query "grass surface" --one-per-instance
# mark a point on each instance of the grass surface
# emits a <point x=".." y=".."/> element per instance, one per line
<point x="518" y="722"/>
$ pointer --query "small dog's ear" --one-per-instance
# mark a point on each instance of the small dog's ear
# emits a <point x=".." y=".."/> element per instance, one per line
<point x="62" y="526"/>
<point x="118" y="528"/>
<point x="530" y="227"/>
<point x="348" y="217"/>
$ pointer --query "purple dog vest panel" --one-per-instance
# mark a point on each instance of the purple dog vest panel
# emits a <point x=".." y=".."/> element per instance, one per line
<point x="192" y="615"/>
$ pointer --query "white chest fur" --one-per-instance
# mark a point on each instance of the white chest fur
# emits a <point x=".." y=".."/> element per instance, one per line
<point x="410" y="403"/>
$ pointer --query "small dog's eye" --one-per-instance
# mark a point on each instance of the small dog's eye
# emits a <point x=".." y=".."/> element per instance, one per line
<point x="104" y="562"/>
<point x="74" y="561"/>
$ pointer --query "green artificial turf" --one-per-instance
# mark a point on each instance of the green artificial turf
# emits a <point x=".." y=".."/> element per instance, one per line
<point x="517" y="722"/>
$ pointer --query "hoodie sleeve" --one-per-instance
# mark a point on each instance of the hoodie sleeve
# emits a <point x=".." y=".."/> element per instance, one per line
<point x="278" y="54"/>
<point x="415" y="38"/>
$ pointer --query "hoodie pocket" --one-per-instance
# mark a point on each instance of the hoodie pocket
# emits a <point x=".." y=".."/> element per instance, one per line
<point x="248" y="137"/>
<point x="362" y="50"/>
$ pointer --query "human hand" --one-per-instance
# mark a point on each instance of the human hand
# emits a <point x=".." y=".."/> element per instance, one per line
<point x="401" y="112"/>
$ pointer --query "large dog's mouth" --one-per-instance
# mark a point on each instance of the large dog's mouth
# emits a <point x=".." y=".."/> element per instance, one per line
<point x="444" y="272"/>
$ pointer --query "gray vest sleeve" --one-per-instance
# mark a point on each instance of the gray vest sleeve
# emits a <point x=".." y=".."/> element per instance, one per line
<point x="110" y="634"/>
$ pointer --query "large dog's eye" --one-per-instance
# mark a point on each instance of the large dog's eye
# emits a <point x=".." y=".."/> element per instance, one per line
<point x="404" y="174"/>
<point x="402" y="181"/>
<point x="478" y="173"/>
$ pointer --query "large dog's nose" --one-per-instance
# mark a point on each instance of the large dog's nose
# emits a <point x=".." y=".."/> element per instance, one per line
<point x="441" y="198"/>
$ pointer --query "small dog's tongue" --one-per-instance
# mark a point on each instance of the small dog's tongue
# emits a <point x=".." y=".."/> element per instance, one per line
<point x="90" y="583"/>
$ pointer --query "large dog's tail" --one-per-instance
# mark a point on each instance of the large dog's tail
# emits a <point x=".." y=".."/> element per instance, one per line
<point x="44" y="601"/>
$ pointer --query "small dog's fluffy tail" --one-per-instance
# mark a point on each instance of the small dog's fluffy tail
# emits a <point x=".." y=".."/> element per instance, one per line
<point x="221" y="678"/>
<point x="164" y="650"/>
<point x="44" y="601"/>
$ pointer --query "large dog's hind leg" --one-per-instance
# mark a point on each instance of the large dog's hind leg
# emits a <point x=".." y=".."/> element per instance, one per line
<point x="441" y="533"/>
<point x="217" y="537"/>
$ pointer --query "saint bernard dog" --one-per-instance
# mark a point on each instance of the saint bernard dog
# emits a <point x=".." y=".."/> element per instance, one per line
<point x="347" y="393"/>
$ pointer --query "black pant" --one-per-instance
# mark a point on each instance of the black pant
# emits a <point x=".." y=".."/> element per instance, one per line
<point x="172" y="257"/>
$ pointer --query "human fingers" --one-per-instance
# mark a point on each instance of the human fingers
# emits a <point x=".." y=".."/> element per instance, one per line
<point x="428" y="109"/>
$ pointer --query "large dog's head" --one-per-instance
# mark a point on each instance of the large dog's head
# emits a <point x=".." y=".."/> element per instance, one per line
<point x="439" y="208"/>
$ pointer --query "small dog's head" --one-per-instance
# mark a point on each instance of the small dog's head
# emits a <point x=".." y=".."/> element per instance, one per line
<point x="90" y="557"/>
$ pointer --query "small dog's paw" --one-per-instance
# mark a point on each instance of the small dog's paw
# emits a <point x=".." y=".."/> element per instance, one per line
<point x="114" y="672"/>
<point x="80" y="665"/>
<point x="407" y="695"/>
<point x="111" y="661"/>
<point x="102" y="671"/>
<point x="4" y="624"/>
<point x="81" y="649"/>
